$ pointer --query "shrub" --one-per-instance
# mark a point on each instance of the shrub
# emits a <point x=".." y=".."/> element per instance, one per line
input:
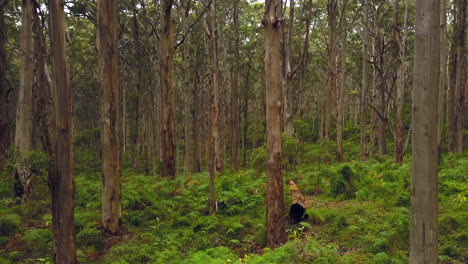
<point x="365" y="194"/>
<point x="9" y="224"/>
<point x="315" y="217"/>
<point x="258" y="158"/>
<point x="38" y="240"/>
<point x="343" y="183"/>
<point x="290" y="150"/>
<point x="90" y="236"/>
<point x="218" y="255"/>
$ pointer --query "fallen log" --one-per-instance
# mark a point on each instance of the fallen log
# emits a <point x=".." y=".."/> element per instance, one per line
<point x="298" y="208"/>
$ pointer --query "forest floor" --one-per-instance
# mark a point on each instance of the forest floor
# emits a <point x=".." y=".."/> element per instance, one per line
<point x="358" y="213"/>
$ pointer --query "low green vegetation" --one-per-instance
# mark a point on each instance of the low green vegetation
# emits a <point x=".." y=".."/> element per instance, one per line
<point x="359" y="212"/>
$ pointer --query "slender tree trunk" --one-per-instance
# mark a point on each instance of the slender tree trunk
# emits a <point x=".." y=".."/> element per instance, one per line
<point x="188" y="94"/>
<point x="245" y="114"/>
<point x="135" y="121"/>
<point x="459" y="90"/>
<point x="4" y="115"/>
<point x="214" y="127"/>
<point x="400" y="83"/>
<point x="24" y="124"/>
<point x="108" y="51"/>
<point x="424" y="205"/>
<point x="62" y="180"/>
<point x="235" y="93"/>
<point x="364" y="87"/>
<point x="43" y="112"/>
<point x="287" y="80"/>
<point x="321" y="123"/>
<point x="276" y="234"/>
<point x="168" y="90"/>
<point x="381" y="124"/>
<point x="341" y="91"/>
<point x="331" y="11"/>
<point x="452" y="70"/>
<point x="443" y="73"/>
<point x="373" y="101"/>
<point x="222" y="84"/>
<point x="198" y="122"/>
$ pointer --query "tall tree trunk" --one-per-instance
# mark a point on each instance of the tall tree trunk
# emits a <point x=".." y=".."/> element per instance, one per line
<point x="245" y="114"/>
<point x="108" y="51"/>
<point x="4" y="115"/>
<point x="214" y="126"/>
<point x="443" y="72"/>
<point x="188" y="96"/>
<point x="364" y="87"/>
<point x="381" y="124"/>
<point x="43" y="112"/>
<point x="24" y="124"/>
<point x="135" y="116"/>
<point x="458" y="103"/>
<point x="276" y="234"/>
<point x="341" y="89"/>
<point x="235" y="94"/>
<point x="287" y="80"/>
<point x="331" y="11"/>
<point x="400" y="83"/>
<point x="168" y="90"/>
<point x="198" y="121"/>
<point x="424" y="205"/>
<point x="62" y="180"/>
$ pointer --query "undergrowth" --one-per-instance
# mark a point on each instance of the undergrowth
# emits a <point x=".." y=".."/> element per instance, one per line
<point x="358" y="212"/>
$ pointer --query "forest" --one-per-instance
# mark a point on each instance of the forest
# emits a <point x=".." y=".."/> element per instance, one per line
<point x="233" y="131"/>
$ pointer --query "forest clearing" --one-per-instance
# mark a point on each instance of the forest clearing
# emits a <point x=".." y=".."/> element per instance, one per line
<point x="233" y="131"/>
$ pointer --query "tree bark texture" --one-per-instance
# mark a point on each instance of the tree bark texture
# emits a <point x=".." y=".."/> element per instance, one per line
<point x="108" y="53"/>
<point x="214" y="122"/>
<point x="189" y="165"/>
<point x="288" y="127"/>
<point x="400" y="86"/>
<point x="168" y="90"/>
<point x="62" y="180"/>
<point x="24" y="108"/>
<point x="424" y="204"/>
<point x="381" y="112"/>
<point x="332" y="7"/>
<point x="364" y="87"/>
<point x="340" y="93"/>
<point x="245" y="114"/>
<point x="276" y="234"/>
<point x="458" y="90"/>
<point x="443" y="73"/>
<point x="235" y="94"/>
<point x="4" y="113"/>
